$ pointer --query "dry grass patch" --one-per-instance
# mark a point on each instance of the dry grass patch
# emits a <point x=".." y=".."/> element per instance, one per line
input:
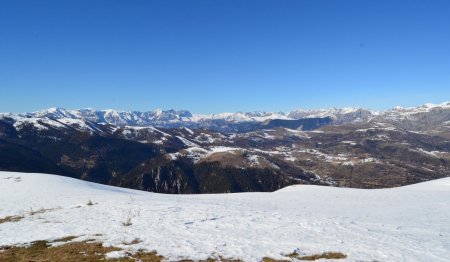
<point x="128" y="222"/>
<point x="76" y="251"/>
<point x="42" y="251"/>
<point x="32" y="212"/>
<point x="94" y="251"/>
<point x="220" y="259"/>
<point x="326" y="255"/>
<point x="134" y="242"/>
<point x="141" y="256"/>
<point x="80" y="252"/>
<point x="10" y="219"/>
<point x="41" y="211"/>
<point x="268" y="259"/>
<point x="65" y="239"/>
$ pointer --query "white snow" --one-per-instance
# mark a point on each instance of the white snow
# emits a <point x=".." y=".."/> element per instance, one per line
<point x="378" y="129"/>
<point x="298" y="133"/>
<point x="77" y="123"/>
<point x="253" y="159"/>
<point x="169" y="117"/>
<point x="401" y="224"/>
<point x="221" y="149"/>
<point x="205" y="138"/>
<point x="173" y="156"/>
<point x="189" y="130"/>
<point x="430" y="153"/>
<point x="129" y="129"/>
<point x="187" y="142"/>
<point x="39" y="123"/>
<point x="116" y="254"/>
<point x="197" y="153"/>
<point x="422" y="108"/>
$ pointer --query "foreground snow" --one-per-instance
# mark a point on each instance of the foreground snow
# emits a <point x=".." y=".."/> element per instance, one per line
<point x="403" y="224"/>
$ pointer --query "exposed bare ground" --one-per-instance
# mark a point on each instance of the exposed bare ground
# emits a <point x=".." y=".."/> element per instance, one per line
<point x="74" y="251"/>
<point x="10" y="219"/>
<point x="91" y="251"/>
<point x="17" y="218"/>
<point x="326" y="255"/>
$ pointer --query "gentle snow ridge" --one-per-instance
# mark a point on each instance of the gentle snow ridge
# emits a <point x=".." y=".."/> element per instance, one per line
<point x="403" y="224"/>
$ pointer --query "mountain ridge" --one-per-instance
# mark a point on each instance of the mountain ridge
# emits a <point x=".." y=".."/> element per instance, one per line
<point x="398" y="147"/>
<point x="179" y="118"/>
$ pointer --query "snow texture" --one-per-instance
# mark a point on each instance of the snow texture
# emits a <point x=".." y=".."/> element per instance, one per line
<point x="402" y="224"/>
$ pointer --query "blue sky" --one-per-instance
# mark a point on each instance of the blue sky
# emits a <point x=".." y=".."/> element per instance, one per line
<point x="223" y="55"/>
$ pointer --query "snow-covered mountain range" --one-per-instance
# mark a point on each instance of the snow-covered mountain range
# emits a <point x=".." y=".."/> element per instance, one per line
<point x="159" y="151"/>
<point x="416" y="118"/>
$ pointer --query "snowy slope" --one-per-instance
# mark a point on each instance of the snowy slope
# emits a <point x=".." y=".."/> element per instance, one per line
<point x="401" y="224"/>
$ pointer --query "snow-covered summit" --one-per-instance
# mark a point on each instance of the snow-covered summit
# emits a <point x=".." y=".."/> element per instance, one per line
<point x="158" y="117"/>
<point x="422" y="108"/>
<point x="339" y="115"/>
<point x="183" y="118"/>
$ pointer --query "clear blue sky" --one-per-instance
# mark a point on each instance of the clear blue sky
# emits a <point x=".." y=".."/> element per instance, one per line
<point x="223" y="55"/>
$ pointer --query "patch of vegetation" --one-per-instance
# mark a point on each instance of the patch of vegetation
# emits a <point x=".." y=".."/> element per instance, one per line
<point x="141" y="256"/>
<point x="76" y="251"/>
<point x="221" y="259"/>
<point x="93" y="251"/>
<point x="128" y="222"/>
<point x="42" y="251"/>
<point x="326" y="255"/>
<point x="268" y="259"/>
<point x="81" y="252"/>
<point x="65" y="239"/>
<point x="40" y="211"/>
<point x="32" y="212"/>
<point x="10" y="219"/>
<point x="134" y="242"/>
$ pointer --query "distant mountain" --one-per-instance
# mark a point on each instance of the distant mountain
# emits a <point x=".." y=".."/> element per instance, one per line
<point x="179" y="152"/>
<point x="431" y="118"/>
<point x="421" y="118"/>
<point x="338" y="115"/>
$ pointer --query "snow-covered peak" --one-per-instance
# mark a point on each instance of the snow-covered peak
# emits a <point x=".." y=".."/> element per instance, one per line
<point x="158" y="112"/>
<point x="431" y="105"/>
<point x="54" y="112"/>
<point x="422" y="108"/>
<point x="339" y="115"/>
<point x="441" y="111"/>
<point x="243" y="116"/>
<point x="179" y="118"/>
<point x="157" y="117"/>
<point x="325" y="111"/>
